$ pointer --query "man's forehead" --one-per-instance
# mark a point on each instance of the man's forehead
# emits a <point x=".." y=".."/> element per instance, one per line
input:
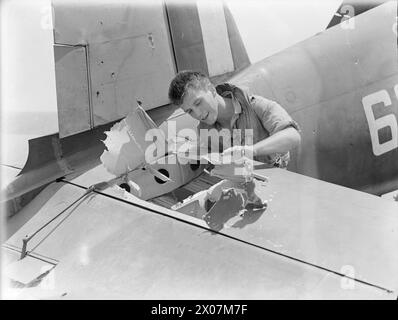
<point x="191" y="94"/>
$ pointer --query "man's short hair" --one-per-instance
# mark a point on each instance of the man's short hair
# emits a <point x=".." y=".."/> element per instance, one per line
<point x="187" y="79"/>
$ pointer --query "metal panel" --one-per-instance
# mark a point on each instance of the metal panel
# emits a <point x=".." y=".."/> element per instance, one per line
<point x="124" y="71"/>
<point x="334" y="62"/>
<point x="324" y="224"/>
<point x="326" y="125"/>
<point x="239" y="54"/>
<point x="26" y="270"/>
<point x="321" y="223"/>
<point x="379" y="60"/>
<point x="321" y="82"/>
<point x="187" y="36"/>
<point x="72" y="89"/>
<point x="129" y="53"/>
<point x="98" y="21"/>
<point x="215" y="37"/>
<point x="317" y="222"/>
<point x="107" y="248"/>
<point x="352" y="8"/>
<point x="50" y="158"/>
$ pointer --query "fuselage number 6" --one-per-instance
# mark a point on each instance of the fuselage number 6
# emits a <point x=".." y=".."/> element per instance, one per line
<point x="375" y="125"/>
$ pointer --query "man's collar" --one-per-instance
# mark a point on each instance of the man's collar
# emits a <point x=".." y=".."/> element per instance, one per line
<point x="237" y="110"/>
<point x="236" y="104"/>
<point x="228" y="90"/>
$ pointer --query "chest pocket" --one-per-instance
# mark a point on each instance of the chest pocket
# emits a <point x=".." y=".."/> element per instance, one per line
<point x="250" y="119"/>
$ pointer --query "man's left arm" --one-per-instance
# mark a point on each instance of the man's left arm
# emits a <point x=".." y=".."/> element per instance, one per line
<point x="280" y="142"/>
<point x="283" y="130"/>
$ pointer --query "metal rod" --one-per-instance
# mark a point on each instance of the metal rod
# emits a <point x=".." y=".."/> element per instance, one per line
<point x="98" y="186"/>
<point x="29" y="237"/>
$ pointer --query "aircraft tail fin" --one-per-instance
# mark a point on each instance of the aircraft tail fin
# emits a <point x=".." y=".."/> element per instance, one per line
<point x="205" y="38"/>
<point x="111" y="53"/>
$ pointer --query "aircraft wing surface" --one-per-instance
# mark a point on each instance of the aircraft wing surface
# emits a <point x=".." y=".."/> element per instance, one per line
<point x="312" y="241"/>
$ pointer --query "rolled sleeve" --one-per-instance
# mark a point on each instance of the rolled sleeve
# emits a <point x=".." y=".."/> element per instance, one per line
<point x="273" y="117"/>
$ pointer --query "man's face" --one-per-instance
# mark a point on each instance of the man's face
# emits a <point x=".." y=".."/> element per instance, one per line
<point x="201" y="104"/>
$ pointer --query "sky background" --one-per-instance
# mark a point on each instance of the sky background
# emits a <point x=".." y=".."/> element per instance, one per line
<point x="269" y="26"/>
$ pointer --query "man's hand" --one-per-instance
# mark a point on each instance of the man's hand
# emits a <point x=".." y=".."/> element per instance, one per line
<point x="237" y="152"/>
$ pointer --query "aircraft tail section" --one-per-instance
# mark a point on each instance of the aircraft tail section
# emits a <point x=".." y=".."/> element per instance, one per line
<point x="205" y="38"/>
<point x="108" y="54"/>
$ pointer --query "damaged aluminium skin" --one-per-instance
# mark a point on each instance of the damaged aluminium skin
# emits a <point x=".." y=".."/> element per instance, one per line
<point x="239" y="177"/>
<point x="237" y="172"/>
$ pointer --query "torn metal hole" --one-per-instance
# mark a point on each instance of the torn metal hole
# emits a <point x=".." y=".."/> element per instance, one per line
<point x="164" y="172"/>
<point x="194" y="166"/>
<point x="125" y="186"/>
